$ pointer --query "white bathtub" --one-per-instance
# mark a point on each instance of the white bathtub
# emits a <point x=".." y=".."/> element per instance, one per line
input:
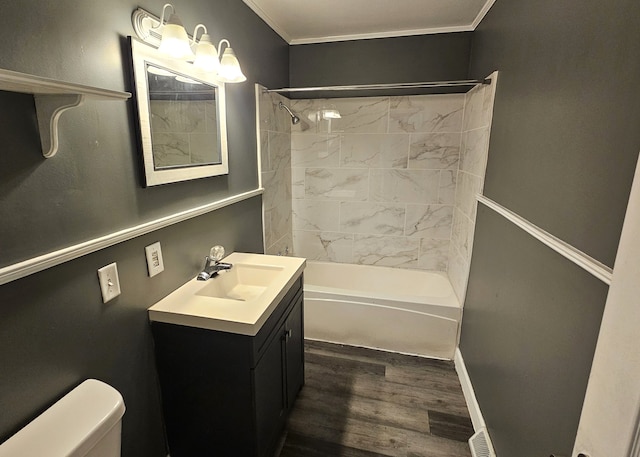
<point x="407" y="311"/>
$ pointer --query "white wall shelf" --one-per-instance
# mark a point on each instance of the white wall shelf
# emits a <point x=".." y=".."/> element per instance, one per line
<point x="52" y="98"/>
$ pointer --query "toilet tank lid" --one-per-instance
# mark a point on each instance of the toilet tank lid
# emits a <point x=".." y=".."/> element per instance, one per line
<point x="71" y="426"/>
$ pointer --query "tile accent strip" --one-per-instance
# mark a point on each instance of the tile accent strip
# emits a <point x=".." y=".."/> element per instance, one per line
<point x="591" y="265"/>
<point x="51" y="259"/>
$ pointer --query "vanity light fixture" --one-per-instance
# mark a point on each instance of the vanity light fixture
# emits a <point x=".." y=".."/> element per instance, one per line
<point x="206" y="53"/>
<point x="230" y="70"/>
<point x="172" y="39"/>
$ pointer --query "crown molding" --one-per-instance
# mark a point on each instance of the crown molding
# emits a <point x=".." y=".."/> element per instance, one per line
<point x="276" y="27"/>
<point x="269" y="20"/>
<point x="483" y="12"/>
<point x="389" y="34"/>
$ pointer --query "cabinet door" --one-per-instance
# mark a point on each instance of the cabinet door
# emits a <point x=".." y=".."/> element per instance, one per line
<point x="294" y="336"/>
<point x="270" y="393"/>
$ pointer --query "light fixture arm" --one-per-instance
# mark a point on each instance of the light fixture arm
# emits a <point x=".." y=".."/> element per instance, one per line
<point x="224" y="40"/>
<point x="195" y="32"/>
<point x="162" y="16"/>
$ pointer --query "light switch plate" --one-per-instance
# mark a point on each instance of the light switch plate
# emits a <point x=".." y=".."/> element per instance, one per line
<point x="109" y="282"/>
<point x="155" y="264"/>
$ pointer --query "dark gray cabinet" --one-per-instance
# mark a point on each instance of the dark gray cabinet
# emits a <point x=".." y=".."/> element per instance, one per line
<point x="229" y="394"/>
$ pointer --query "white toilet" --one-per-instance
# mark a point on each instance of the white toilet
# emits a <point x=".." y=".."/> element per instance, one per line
<point x="84" y="423"/>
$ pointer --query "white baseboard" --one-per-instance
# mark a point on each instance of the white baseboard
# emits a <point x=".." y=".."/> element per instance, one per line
<point x="469" y="394"/>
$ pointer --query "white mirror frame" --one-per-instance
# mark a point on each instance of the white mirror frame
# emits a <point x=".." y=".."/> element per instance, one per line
<point x="143" y="54"/>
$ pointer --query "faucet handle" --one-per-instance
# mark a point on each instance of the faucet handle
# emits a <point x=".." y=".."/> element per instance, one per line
<point x="216" y="253"/>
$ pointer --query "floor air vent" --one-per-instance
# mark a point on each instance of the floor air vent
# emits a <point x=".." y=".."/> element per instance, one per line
<point x="480" y="444"/>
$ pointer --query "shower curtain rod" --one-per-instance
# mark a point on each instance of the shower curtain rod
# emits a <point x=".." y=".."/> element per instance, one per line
<point x="419" y="85"/>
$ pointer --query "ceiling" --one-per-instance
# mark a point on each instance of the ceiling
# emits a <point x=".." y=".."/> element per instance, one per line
<point x="319" y="21"/>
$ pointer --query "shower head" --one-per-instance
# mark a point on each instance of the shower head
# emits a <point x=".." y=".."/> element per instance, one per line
<point x="294" y="119"/>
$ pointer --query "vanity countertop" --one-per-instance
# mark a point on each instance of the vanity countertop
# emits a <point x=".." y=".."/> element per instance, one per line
<point x="202" y="304"/>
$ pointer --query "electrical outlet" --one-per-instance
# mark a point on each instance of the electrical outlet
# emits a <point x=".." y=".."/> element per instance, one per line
<point x="155" y="264"/>
<point x="109" y="282"/>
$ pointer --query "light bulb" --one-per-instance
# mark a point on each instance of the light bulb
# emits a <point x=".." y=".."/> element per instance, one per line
<point x="206" y="54"/>
<point x="230" y="69"/>
<point x="175" y="42"/>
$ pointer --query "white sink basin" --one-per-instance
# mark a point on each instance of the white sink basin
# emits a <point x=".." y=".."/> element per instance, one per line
<point x="238" y="300"/>
<point x="244" y="282"/>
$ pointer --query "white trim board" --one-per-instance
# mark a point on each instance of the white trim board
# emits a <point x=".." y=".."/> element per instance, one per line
<point x="271" y="22"/>
<point x="483" y="12"/>
<point x="584" y="261"/>
<point x="51" y="259"/>
<point x="259" y="90"/>
<point x="469" y="394"/>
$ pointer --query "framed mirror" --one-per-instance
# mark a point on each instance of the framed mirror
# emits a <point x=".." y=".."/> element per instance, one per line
<point x="181" y="118"/>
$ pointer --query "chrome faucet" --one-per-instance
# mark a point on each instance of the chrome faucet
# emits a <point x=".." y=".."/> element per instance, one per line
<point x="212" y="265"/>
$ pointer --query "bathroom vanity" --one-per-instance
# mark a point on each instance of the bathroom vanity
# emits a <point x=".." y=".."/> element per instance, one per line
<point x="228" y="385"/>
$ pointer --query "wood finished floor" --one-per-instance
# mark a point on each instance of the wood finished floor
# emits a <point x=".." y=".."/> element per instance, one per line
<point x="363" y="403"/>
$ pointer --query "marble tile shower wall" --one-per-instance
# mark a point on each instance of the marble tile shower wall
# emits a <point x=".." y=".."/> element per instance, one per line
<point x="376" y="186"/>
<point x="275" y="169"/>
<point x="474" y="149"/>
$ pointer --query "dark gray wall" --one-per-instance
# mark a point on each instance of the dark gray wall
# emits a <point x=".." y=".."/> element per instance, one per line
<point x="438" y="57"/>
<point x="565" y="136"/>
<point x="529" y="331"/>
<point x="564" y="143"/>
<point x="54" y="329"/>
<point x="93" y="185"/>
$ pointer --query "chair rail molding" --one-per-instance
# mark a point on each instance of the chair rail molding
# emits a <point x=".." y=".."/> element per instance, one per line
<point x="30" y="266"/>
<point x="584" y="261"/>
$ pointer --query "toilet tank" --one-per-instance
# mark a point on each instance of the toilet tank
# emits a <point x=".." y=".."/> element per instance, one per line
<point x="84" y="423"/>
